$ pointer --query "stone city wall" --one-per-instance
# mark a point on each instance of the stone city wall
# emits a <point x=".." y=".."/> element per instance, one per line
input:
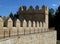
<point x="37" y="38"/>
<point x="10" y="30"/>
<point x="29" y="33"/>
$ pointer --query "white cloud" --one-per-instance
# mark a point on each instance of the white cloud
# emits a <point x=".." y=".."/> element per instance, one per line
<point x="54" y="5"/>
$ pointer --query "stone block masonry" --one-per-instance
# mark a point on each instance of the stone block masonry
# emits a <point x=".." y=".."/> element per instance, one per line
<point x="12" y="31"/>
<point x="37" y="38"/>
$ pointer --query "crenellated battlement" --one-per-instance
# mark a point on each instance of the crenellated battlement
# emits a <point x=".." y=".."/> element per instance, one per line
<point x="36" y="14"/>
<point x="24" y="23"/>
<point x="26" y="28"/>
<point x="35" y="23"/>
<point x="37" y="9"/>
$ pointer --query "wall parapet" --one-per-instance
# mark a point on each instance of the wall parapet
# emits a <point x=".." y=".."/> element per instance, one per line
<point x="12" y="31"/>
<point x="24" y="23"/>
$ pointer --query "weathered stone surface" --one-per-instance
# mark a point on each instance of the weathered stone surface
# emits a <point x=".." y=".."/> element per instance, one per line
<point x="1" y="23"/>
<point x="38" y="38"/>
<point x="31" y="30"/>
<point x="6" y="31"/>
<point x="18" y="23"/>
<point x="9" y="23"/>
<point x="29" y="23"/>
<point x="21" y="30"/>
<point x="24" y="23"/>
<point x="1" y="33"/>
<point x="13" y="31"/>
<point x="27" y="30"/>
<point x="37" y="24"/>
<point x="34" y="24"/>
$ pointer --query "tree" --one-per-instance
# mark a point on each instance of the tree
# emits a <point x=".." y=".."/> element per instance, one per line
<point x="57" y="22"/>
<point x="0" y="16"/>
<point x="51" y="17"/>
<point x="11" y="15"/>
<point x="57" y="17"/>
<point x="4" y="19"/>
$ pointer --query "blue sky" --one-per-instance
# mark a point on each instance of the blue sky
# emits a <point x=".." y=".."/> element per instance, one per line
<point x="7" y="6"/>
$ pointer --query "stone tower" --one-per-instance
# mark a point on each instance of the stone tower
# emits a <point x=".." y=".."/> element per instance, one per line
<point x="45" y="11"/>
